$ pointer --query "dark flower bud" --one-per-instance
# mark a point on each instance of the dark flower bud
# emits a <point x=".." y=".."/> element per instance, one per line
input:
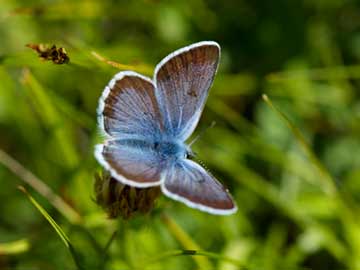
<point x="118" y="199"/>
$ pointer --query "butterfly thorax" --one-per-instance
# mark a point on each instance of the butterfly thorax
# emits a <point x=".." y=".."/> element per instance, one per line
<point x="169" y="149"/>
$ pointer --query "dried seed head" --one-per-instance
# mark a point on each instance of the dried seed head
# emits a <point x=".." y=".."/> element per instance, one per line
<point x="54" y="54"/>
<point x="122" y="200"/>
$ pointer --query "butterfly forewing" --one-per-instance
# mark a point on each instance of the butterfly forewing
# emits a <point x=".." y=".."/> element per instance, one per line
<point x="182" y="82"/>
<point x="188" y="182"/>
<point x="128" y="108"/>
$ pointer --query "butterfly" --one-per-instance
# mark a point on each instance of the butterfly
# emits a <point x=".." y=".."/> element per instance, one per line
<point x="147" y="121"/>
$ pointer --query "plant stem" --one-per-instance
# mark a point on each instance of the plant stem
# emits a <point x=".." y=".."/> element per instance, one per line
<point x="39" y="185"/>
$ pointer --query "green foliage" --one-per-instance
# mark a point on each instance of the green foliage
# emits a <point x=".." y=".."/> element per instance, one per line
<point x="292" y="162"/>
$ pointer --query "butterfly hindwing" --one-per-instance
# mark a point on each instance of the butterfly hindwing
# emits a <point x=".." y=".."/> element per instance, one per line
<point x="182" y="81"/>
<point x="132" y="162"/>
<point x="188" y="182"/>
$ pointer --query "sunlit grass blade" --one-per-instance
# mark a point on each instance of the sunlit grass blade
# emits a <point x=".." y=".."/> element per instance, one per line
<point x="185" y="240"/>
<point x="14" y="247"/>
<point x="65" y="239"/>
<point x="207" y="254"/>
<point x="250" y="179"/>
<point x="238" y="264"/>
<point x="39" y="185"/>
<point x="105" y="251"/>
<point x="111" y="240"/>
<point x="348" y="211"/>
<point x="51" y="118"/>
<point x="52" y="222"/>
<point x="254" y="140"/>
<point x="19" y="59"/>
<point x="327" y="182"/>
<point x="141" y="68"/>
<point x="263" y="188"/>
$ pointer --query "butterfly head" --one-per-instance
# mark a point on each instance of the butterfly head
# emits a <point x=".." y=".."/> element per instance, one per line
<point x="189" y="152"/>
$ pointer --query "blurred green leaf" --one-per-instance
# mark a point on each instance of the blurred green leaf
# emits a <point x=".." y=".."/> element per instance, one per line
<point x="15" y="247"/>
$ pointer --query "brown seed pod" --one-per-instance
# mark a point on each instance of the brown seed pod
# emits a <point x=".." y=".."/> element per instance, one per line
<point x="54" y="54"/>
<point x="122" y="200"/>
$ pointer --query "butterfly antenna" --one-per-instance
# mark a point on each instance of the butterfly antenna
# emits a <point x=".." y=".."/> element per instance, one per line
<point x="213" y="123"/>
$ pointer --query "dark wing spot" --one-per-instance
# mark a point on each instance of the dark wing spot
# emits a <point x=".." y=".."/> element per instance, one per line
<point x="192" y="93"/>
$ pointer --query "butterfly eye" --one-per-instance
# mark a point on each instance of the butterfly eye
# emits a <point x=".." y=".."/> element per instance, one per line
<point x="190" y="154"/>
<point x="156" y="145"/>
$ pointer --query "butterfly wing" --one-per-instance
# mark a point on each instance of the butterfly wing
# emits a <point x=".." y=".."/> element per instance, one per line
<point x="128" y="108"/>
<point x="182" y="81"/>
<point x="132" y="162"/>
<point x="188" y="182"/>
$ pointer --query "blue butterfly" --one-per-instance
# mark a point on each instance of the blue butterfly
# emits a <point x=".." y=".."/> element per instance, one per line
<point x="146" y="123"/>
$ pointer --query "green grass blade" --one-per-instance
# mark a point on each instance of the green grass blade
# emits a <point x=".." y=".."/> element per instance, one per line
<point x="173" y="253"/>
<point x="51" y="118"/>
<point x="141" y="68"/>
<point x="105" y="251"/>
<point x="327" y="182"/>
<point x="28" y="177"/>
<point x="188" y="252"/>
<point x="45" y="214"/>
<point x="65" y="239"/>
<point x="185" y="240"/>
<point x="348" y="211"/>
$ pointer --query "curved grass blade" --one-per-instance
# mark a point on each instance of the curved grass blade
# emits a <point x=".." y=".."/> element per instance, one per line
<point x="28" y="177"/>
<point x="105" y="251"/>
<point x="52" y="222"/>
<point x="348" y="210"/>
<point x="141" y="68"/>
<point x="189" y="252"/>
<point x="328" y="184"/>
<point x="211" y="255"/>
<point x="65" y="239"/>
<point x="185" y="240"/>
<point x="51" y="118"/>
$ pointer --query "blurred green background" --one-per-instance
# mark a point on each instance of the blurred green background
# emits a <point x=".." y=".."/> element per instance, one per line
<point x="292" y="214"/>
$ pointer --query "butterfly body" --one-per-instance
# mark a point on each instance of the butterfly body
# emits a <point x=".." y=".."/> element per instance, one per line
<point x="171" y="150"/>
<point x="147" y="121"/>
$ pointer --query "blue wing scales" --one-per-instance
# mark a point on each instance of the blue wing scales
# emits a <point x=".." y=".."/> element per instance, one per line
<point x="132" y="162"/>
<point x="182" y="81"/>
<point x="188" y="182"/>
<point x="128" y="108"/>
